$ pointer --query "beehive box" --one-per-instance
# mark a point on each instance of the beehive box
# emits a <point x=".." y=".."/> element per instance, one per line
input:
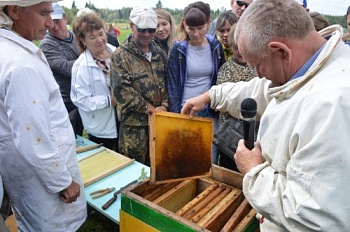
<point x="185" y="192"/>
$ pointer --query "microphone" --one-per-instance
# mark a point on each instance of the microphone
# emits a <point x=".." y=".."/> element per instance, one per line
<point x="248" y="111"/>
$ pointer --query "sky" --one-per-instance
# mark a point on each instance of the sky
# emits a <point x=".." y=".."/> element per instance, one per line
<point x="330" y="7"/>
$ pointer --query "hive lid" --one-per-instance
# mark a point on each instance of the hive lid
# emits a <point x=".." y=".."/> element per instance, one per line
<point x="180" y="147"/>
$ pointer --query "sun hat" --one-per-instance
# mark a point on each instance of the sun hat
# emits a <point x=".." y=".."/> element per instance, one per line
<point x="144" y="17"/>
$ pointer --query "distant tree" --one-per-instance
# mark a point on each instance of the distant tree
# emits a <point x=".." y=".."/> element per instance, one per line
<point x="73" y="5"/>
<point x="159" y="5"/>
<point x="336" y="19"/>
<point x="91" y="6"/>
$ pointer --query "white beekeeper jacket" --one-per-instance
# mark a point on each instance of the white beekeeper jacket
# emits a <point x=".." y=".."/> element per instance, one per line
<point x="304" y="133"/>
<point x="37" y="143"/>
<point x="91" y="94"/>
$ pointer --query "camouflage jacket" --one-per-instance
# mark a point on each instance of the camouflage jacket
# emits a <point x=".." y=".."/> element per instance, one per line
<point x="136" y="81"/>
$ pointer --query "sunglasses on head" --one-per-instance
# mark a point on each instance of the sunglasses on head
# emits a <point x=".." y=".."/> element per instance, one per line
<point x="143" y="30"/>
<point x="241" y="3"/>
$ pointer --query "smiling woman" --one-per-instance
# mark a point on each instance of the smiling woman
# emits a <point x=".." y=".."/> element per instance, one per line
<point x="90" y="88"/>
<point x="165" y="33"/>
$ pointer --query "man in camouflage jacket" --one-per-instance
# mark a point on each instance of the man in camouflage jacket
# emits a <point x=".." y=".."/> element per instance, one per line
<point x="138" y="81"/>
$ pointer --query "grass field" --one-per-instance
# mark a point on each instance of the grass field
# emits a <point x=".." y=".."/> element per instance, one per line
<point x="124" y="31"/>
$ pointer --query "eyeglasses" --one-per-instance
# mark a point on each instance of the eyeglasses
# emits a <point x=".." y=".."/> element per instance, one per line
<point x="241" y="3"/>
<point x="143" y="30"/>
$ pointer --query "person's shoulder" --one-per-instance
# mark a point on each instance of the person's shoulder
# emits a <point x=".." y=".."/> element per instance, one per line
<point x="50" y="41"/>
<point x="111" y="48"/>
<point x="157" y="46"/>
<point x="213" y="40"/>
<point x="82" y="58"/>
<point x="180" y="45"/>
<point x="46" y="40"/>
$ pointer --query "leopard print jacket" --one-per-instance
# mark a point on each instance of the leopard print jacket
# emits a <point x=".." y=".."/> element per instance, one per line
<point x="234" y="71"/>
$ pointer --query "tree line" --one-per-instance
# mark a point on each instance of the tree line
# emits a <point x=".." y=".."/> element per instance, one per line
<point x="122" y="15"/>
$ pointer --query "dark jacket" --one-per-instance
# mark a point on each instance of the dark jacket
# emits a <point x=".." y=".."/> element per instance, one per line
<point x="61" y="55"/>
<point x="177" y="70"/>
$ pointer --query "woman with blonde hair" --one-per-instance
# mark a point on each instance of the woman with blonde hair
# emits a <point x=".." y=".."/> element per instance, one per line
<point x="166" y="30"/>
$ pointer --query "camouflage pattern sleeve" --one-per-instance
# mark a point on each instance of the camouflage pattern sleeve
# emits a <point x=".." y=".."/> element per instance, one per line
<point x="137" y="81"/>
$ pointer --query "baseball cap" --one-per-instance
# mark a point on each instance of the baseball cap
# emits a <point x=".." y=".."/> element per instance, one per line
<point x="57" y="11"/>
<point x="302" y="2"/>
<point x="144" y="17"/>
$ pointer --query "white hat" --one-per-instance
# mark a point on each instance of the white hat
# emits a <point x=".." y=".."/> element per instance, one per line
<point x="144" y="17"/>
<point x="23" y="3"/>
<point x="83" y="11"/>
<point x="57" y="11"/>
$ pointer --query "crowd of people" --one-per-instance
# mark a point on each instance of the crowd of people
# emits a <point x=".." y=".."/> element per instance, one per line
<point x="85" y="79"/>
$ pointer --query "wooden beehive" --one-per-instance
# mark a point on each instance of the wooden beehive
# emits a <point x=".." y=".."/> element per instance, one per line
<point x="213" y="203"/>
<point x="185" y="192"/>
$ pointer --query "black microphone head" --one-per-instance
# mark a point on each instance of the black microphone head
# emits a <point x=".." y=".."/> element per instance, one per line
<point x="248" y="108"/>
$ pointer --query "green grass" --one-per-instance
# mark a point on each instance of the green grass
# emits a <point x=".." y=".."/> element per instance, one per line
<point x="96" y="222"/>
<point x="124" y="31"/>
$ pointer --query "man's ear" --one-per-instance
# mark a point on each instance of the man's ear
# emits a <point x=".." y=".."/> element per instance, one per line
<point x="13" y="12"/>
<point x="280" y="49"/>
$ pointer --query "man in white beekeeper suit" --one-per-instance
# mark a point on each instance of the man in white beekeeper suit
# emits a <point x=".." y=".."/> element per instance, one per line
<point x="297" y="175"/>
<point x="38" y="161"/>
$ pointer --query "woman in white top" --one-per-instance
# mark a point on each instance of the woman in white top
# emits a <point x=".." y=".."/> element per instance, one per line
<point x="90" y="90"/>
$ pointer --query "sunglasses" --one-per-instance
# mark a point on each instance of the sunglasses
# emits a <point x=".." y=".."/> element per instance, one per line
<point x="241" y="3"/>
<point x="143" y="30"/>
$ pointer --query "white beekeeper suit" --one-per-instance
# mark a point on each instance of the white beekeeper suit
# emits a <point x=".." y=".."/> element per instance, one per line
<point x="304" y="183"/>
<point x="37" y="143"/>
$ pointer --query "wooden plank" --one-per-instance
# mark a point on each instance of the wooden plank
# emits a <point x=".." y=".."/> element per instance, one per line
<point x="156" y="216"/>
<point x="204" y="202"/>
<point x="246" y="220"/>
<point x="101" y="164"/>
<point x="216" y="223"/>
<point x="217" y="214"/>
<point x="146" y="188"/>
<point x="151" y="196"/>
<point x="221" y="177"/>
<point x="179" y="196"/>
<point x="95" y="153"/>
<point x="237" y="216"/>
<point x="227" y="176"/>
<point x="87" y="148"/>
<point x="185" y="209"/>
<point x="199" y="215"/>
<point x="173" y="191"/>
